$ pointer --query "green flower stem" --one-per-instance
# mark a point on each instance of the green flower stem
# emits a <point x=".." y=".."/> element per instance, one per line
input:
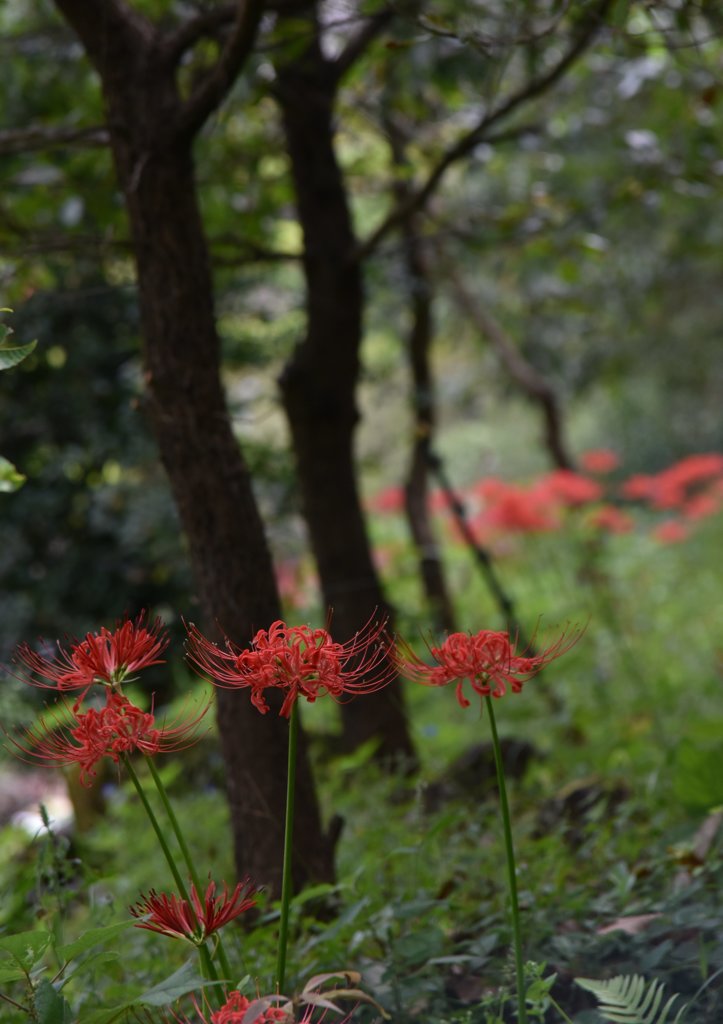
<point x="207" y="967"/>
<point x="288" y="846"/>
<point x="511" y="872"/>
<point x="559" y="1010"/>
<point x="157" y="829"/>
<point x="219" y="951"/>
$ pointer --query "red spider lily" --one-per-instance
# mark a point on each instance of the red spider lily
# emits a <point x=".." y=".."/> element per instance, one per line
<point x="612" y="519"/>
<point x="391" y="499"/>
<point x="673" y="486"/>
<point x="516" y="509"/>
<point x="567" y="488"/>
<point x="194" y="920"/>
<point x="298" y="660"/>
<point x="599" y="460"/>
<point x="487" y="659"/>
<point x="237" y="1007"/>
<point x="239" y="1010"/>
<point x="117" y="729"/>
<point x="671" y="532"/>
<point x="107" y="657"/>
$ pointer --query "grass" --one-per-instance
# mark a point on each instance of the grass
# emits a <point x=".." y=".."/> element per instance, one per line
<point x="624" y="773"/>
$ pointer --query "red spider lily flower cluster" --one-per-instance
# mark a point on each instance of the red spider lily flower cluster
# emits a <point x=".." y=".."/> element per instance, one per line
<point x="107" y="659"/>
<point x="193" y="920"/>
<point x="611" y="519"/>
<point x="691" y="487"/>
<point x="237" y="1006"/>
<point x="118" y="728"/>
<point x="599" y="461"/>
<point x="298" y="660"/>
<point x="488" y="660"/>
<point x="262" y="1010"/>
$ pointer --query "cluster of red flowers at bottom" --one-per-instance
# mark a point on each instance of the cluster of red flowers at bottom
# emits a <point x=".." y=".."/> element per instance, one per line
<point x="263" y="1010"/>
<point x="236" y="1009"/>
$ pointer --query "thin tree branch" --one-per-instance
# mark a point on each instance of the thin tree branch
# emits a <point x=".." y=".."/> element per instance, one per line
<point x="464" y="145"/>
<point x="44" y="137"/>
<point x="359" y="43"/>
<point x="522" y="372"/>
<point x="186" y="36"/>
<point x="248" y="252"/>
<point x="212" y="89"/>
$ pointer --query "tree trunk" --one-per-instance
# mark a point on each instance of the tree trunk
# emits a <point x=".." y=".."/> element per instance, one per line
<point x="416" y="488"/>
<point x="319" y="384"/>
<point x="210" y="481"/>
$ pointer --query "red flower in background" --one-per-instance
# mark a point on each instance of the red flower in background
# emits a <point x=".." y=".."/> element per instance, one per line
<point x="117" y="729"/>
<point x="516" y="509"/>
<point x="298" y="660"/>
<point x="107" y="657"/>
<point x="193" y="920"/>
<point x="679" y="483"/>
<point x="705" y="504"/>
<point x="612" y="519"/>
<point x="390" y="499"/>
<point x="488" y="660"/>
<point x="671" y="532"/>
<point x="568" y="488"/>
<point x="599" y="460"/>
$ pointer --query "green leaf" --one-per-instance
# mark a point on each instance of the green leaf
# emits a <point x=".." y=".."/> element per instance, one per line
<point x="11" y="355"/>
<point x="698" y="781"/>
<point x="93" y="937"/>
<point x="10" y="974"/>
<point x="10" y="478"/>
<point x="26" y="948"/>
<point x="50" y="1006"/>
<point x="182" y="981"/>
<point x="106" y="1014"/>
<point x="629" y="999"/>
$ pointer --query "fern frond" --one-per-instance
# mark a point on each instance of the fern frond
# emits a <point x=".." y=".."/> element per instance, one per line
<point x="629" y="999"/>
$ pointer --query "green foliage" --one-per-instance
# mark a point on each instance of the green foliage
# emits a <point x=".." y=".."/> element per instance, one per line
<point x="95" y="495"/>
<point x="698" y="781"/>
<point x="11" y="355"/>
<point x="631" y="1000"/>
<point x="10" y="478"/>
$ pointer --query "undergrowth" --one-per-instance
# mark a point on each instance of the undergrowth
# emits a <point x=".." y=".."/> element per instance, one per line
<point x="620" y="776"/>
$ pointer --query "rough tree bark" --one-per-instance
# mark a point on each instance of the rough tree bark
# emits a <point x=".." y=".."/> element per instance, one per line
<point x="319" y="382"/>
<point x="151" y="131"/>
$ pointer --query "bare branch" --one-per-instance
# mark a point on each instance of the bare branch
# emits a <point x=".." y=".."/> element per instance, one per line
<point x="43" y="137"/>
<point x="522" y="372"/>
<point x="359" y="43"/>
<point x="188" y="34"/>
<point x="214" y="86"/>
<point x="467" y="142"/>
<point x="246" y="252"/>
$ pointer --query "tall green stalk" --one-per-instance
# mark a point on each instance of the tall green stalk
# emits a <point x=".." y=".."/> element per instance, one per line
<point x="288" y="847"/>
<point x="219" y="951"/>
<point x="511" y="869"/>
<point x="207" y="966"/>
